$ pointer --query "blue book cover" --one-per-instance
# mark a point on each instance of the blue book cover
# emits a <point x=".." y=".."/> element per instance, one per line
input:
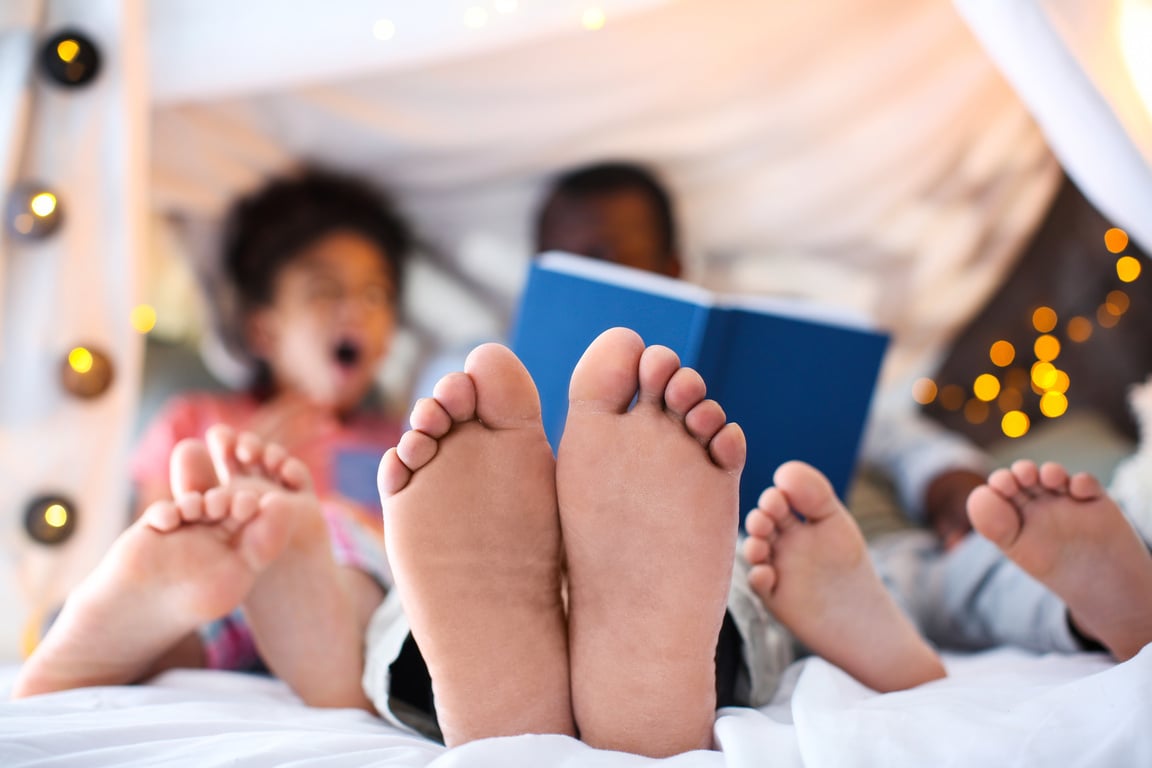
<point x="798" y="379"/>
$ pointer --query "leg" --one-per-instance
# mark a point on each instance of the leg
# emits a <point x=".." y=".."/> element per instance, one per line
<point x="811" y="568"/>
<point x="304" y="610"/>
<point x="1070" y="536"/>
<point x="180" y="565"/>
<point x="474" y="542"/>
<point x="649" y="506"/>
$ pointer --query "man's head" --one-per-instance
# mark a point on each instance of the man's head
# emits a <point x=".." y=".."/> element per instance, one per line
<point x="615" y="212"/>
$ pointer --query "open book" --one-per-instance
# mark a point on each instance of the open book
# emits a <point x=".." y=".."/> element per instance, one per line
<point x="798" y="378"/>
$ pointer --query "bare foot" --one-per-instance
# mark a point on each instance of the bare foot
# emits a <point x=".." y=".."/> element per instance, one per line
<point x="180" y="565"/>
<point x="811" y="568"/>
<point x="1069" y="535"/>
<point x="474" y="542"/>
<point x="649" y="506"/>
<point x="301" y="610"/>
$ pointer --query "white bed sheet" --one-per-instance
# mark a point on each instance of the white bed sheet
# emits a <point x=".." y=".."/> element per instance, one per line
<point x="1001" y="708"/>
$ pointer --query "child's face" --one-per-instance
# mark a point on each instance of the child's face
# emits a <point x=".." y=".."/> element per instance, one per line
<point x="330" y="321"/>
<point x="620" y="227"/>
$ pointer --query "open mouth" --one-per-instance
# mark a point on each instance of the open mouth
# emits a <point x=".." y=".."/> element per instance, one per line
<point x="347" y="353"/>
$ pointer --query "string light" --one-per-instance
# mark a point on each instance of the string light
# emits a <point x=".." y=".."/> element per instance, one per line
<point x="1015" y="424"/>
<point x="975" y="411"/>
<point x="1044" y="319"/>
<point x="1053" y="404"/>
<point x="80" y="359"/>
<point x="924" y="391"/>
<point x="1127" y="268"/>
<point x="33" y="212"/>
<point x="143" y="318"/>
<point x="70" y="59"/>
<point x="1079" y="329"/>
<point x="986" y="387"/>
<point x="50" y="519"/>
<point x="1002" y="353"/>
<point x="952" y="397"/>
<point x="86" y="372"/>
<point x="1115" y="240"/>
<point x="1046" y="348"/>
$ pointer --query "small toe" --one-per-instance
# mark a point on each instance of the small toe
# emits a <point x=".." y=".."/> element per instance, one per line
<point x="393" y="475"/>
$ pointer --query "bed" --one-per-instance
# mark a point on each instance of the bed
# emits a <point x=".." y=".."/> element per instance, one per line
<point x="1001" y="707"/>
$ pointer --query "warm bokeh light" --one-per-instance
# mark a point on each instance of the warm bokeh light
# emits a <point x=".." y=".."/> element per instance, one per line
<point x="56" y="515"/>
<point x="952" y="397"/>
<point x="143" y="318"/>
<point x="1044" y="319"/>
<point x="43" y="204"/>
<point x="1002" y="353"/>
<point x="1015" y="424"/>
<point x="1017" y="378"/>
<point x="67" y="50"/>
<point x="1115" y="240"/>
<point x="924" y="391"/>
<point x="1062" y="382"/>
<point x="1117" y="303"/>
<point x="1053" y="404"/>
<point x="593" y="19"/>
<point x="975" y="411"/>
<point x="986" y="387"/>
<point x="1046" y="348"/>
<point x="475" y="17"/>
<point x="384" y="29"/>
<point x="80" y="359"/>
<point x="1127" y="268"/>
<point x="1009" y="400"/>
<point x="1079" y="329"/>
<point x="1104" y="318"/>
<point x="1043" y="375"/>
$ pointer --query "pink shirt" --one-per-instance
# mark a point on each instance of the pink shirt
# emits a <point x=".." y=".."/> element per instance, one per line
<point x="343" y="460"/>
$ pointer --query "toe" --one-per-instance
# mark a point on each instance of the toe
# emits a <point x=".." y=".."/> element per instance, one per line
<point x="685" y="391"/>
<point x="430" y="417"/>
<point x="756" y="550"/>
<point x="1053" y="477"/>
<point x="606" y="378"/>
<point x="807" y="490"/>
<point x="1003" y="482"/>
<point x="221" y="440"/>
<point x="658" y="364"/>
<point x="993" y="516"/>
<point x="506" y="396"/>
<point x="705" y="420"/>
<point x="415" y="449"/>
<point x="729" y="448"/>
<point x="1085" y="487"/>
<point x="1027" y="474"/>
<point x="191" y="467"/>
<point x="162" y="516"/>
<point x="295" y="475"/>
<point x="456" y="394"/>
<point x="393" y="475"/>
<point x="762" y="579"/>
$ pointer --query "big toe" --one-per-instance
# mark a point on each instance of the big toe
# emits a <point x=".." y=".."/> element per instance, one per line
<point x="190" y="468"/>
<point x="607" y="376"/>
<point x="807" y="490"/>
<point x="506" y="396"/>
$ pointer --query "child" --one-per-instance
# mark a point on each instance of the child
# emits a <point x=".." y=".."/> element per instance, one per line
<point x="315" y="260"/>
<point x="638" y="515"/>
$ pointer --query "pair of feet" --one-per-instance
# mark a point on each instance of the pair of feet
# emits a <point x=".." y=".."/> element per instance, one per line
<point x="244" y="530"/>
<point x="637" y="517"/>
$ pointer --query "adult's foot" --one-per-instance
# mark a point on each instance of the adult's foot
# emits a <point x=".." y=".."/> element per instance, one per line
<point x="1069" y="535"/>
<point x="181" y="564"/>
<point x="810" y="567"/>
<point x="301" y="610"/>
<point x="649" y="502"/>
<point x="473" y="539"/>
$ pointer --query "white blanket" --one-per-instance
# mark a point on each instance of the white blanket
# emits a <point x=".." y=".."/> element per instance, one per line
<point x="1002" y="708"/>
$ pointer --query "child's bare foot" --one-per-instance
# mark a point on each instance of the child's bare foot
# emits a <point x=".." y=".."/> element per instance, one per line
<point x="180" y="565"/>
<point x="474" y="542"/>
<point x="649" y="506"/>
<point x="1069" y="535"/>
<point x="811" y="568"/>
<point x="301" y="610"/>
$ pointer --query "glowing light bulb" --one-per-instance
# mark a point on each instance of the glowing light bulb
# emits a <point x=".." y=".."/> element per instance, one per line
<point x="1117" y="302"/>
<point x="80" y="359"/>
<point x="67" y="50"/>
<point x="1053" y="404"/>
<point x="1062" y="382"/>
<point x="593" y="19"/>
<point x="1047" y="348"/>
<point x="1044" y="319"/>
<point x="924" y="391"/>
<point x="1127" y="268"/>
<point x="1115" y="240"/>
<point x="56" y="515"/>
<point x="43" y="204"/>
<point x="1104" y="318"/>
<point x="1015" y="424"/>
<point x="1043" y="375"/>
<point x="143" y="318"/>
<point x="1079" y="329"/>
<point x="986" y="387"/>
<point x="1002" y="353"/>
